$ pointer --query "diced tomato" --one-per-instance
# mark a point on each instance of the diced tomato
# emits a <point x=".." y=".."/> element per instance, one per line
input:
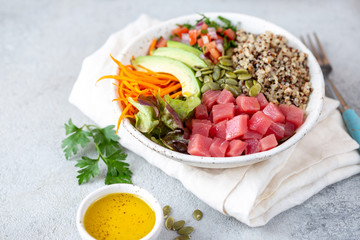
<point x="236" y="148"/>
<point x="236" y="127"/>
<point x="192" y="36"/>
<point x="218" y="147"/>
<point x="176" y="39"/>
<point x="253" y="146"/>
<point x="278" y="129"/>
<point x="204" y="26"/>
<point x="215" y="53"/>
<point x="200" y="42"/>
<point x="200" y="126"/>
<point x="209" y="98"/>
<point x="268" y="142"/>
<point x="229" y="33"/>
<point x="199" y="145"/>
<point x="252" y="135"/>
<point x="219" y="30"/>
<point x="274" y="113"/>
<point x="222" y="112"/>
<point x="201" y="112"/>
<point x="161" y="43"/>
<point x="262" y="100"/>
<point x="259" y="122"/>
<point x="225" y="97"/>
<point x="208" y="46"/>
<point x="218" y="130"/>
<point x="214" y="60"/>
<point x="292" y="114"/>
<point x="179" y="31"/>
<point x="247" y="104"/>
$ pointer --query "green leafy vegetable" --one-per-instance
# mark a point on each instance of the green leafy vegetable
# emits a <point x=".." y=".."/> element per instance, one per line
<point x="146" y="117"/>
<point x="183" y="107"/>
<point x="108" y="148"/>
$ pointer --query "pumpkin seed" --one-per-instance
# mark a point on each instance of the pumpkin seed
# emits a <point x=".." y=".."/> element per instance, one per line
<point x="244" y="76"/>
<point x="198" y="73"/>
<point x="197" y="214"/>
<point x="255" y="90"/>
<point x="255" y="82"/>
<point x="205" y="87"/>
<point x="224" y="57"/>
<point x="182" y="237"/>
<point x="225" y="67"/>
<point x="229" y="52"/>
<point x="185" y="230"/>
<point x="207" y="72"/>
<point x="230" y="75"/>
<point x="249" y="83"/>
<point x="205" y="69"/>
<point x="216" y="73"/>
<point x="201" y="79"/>
<point x="236" y="91"/>
<point x="231" y="81"/>
<point x="169" y="223"/>
<point x="208" y="79"/>
<point x="197" y="67"/>
<point x="226" y="62"/>
<point x="241" y="71"/>
<point x="166" y="211"/>
<point x="214" y="86"/>
<point x="178" y="225"/>
<point x="222" y="72"/>
<point x="209" y="62"/>
<point x="221" y="81"/>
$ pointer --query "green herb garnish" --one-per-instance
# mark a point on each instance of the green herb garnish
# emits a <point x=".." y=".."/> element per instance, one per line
<point x="107" y="146"/>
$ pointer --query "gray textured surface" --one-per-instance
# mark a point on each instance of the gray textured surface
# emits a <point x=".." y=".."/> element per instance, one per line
<point x="42" y="45"/>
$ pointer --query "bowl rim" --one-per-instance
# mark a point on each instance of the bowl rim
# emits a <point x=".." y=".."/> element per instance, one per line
<point x="229" y="162"/>
<point x="99" y="193"/>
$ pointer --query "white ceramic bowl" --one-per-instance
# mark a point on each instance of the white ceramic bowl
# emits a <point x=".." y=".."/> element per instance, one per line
<point x="120" y="188"/>
<point x="140" y="45"/>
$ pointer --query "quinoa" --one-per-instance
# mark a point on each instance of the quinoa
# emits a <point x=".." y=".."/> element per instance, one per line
<point x="282" y="70"/>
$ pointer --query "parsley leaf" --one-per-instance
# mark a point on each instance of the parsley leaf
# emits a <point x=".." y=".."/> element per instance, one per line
<point x="108" y="148"/>
<point x="77" y="137"/>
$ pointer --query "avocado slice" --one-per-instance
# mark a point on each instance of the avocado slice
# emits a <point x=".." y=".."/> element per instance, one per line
<point x="183" y="46"/>
<point x="186" y="57"/>
<point x="189" y="83"/>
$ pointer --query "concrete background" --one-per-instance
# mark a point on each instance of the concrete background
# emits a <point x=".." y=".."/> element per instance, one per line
<point x="42" y="45"/>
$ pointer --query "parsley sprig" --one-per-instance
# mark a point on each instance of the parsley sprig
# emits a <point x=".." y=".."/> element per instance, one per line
<point x="107" y="146"/>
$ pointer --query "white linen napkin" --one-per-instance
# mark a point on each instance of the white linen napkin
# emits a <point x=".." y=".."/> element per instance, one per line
<point x="252" y="194"/>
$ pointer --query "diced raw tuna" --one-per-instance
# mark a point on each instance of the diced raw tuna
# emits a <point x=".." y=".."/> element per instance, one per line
<point x="218" y="147"/>
<point x="289" y="129"/>
<point x="259" y="122"/>
<point x="223" y="111"/>
<point x="274" y="113"/>
<point x="268" y="142"/>
<point x="225" y="97"/>
<point x="199" y="145"/>
<point x="219" y="130"/>
<point x="247" y="104"/>
<point x="188" y="123"/>
<point x="278" y="129"/>
<point x="187" y="133"/>
<point x="200" y="126"/>
<point x="262" y="100"/>
<point x="201" y="112"/>
<point x="209" y="98"/>
<point x="252" y="135"/>
<point x="253" y="146"/>
<point x="236" y="127"/>
<point x="292" y="114"/>
<point x="236" y="148"/>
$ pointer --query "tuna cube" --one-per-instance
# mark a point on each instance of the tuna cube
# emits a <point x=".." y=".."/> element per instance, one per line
<point x="236" y="148"/>
<point x="225" y="97"/>
<point x="278" y="129"/>
<point x="252" y="135"/>
<point x="199" y="145"/>
<point x="289" y="129"/>
<point x="222" y="112"/>
<point x="200" y="126"/>
<point x="218" y="147"/>
<point x="274" y="113"/>
<point x="262" y="100"/>
<point x="236" y="127"/>
<point x="209" y="98"/>
<point x="247" y="104"/>
<point x="259" y="122"/>
<point x="201" y="112"/>
<point x="218" y="130"/>
<point x="253" y="146"/>
<point x="292" y="114"/>
<point x="268" y="142"/>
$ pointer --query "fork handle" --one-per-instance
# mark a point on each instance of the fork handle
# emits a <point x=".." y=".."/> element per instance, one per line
<point x="352" y="122"/>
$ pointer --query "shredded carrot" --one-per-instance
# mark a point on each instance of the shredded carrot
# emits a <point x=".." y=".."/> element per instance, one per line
<point x="132" y="83"/>
<point x="152" y="46"/>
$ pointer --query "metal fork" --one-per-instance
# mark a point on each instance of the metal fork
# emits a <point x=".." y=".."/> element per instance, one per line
<point x="351" y="119"/>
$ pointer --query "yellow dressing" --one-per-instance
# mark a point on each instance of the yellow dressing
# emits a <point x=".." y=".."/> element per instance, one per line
<point x="121" y="216"/>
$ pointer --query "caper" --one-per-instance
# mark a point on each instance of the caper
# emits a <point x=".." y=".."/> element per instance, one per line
<point x="208" y="79"/>
<point x="245" y="76"/>
<point x="216" y="73"/>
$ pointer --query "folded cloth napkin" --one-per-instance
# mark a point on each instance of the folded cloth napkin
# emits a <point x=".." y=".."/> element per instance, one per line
<point x="252" y="194"/>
